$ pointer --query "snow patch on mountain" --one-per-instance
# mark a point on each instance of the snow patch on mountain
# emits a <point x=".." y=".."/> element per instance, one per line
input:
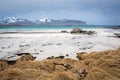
<point x="8" y="20"/>
<point x="44" y="20"/>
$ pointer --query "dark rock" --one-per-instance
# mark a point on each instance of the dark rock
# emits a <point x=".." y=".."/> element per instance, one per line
<point x="11" y="62"/>
<point x="59" y="44"/>
<point x="64" y="31"/>
<point x="3" y="47"/>
<point x="76" y="30"/>
<point x="21" y="45"/>
<point x="89" y="42"/>
<point x="73" y="38"/>
<point x="27" y="45"/>
<point x="91" y="32"/>
<point x="20" y="54"/>
<point x="34" y="58"/>
<point x="35" y="49"/>
<point x="9" y="46"/>
<point x="52" y="57"/>
<point x="117" y="34"/>
<point x="41" y="50"/>
<point x="67" y="66"/>
<point x="50" y="43"/>
<point x="67" y="55"/>
<point x="60" y="57"/>
<point x="84" y="48"/>
<point x="44" y="44"/>
<point x="61" y="64"/>
<point x="36" y="53"/>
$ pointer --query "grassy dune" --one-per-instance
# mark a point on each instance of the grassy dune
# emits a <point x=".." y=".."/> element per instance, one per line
<point x="103" y="65"/>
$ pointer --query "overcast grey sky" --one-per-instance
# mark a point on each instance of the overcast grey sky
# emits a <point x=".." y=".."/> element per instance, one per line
<point x="91" y="11"/>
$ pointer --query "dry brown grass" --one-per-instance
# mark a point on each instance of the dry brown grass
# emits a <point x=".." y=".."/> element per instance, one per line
<point x="82" y="55"/>
<point x="98" y="74"/>
<point x="107" y="63"/>
<point x="3" y="65"/>
<point x="103" y="65"/>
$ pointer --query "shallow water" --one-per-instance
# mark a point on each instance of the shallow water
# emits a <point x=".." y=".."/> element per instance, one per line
<point x="24" y="28"/>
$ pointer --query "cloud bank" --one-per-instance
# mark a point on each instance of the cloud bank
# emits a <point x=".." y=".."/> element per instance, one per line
<point x="91" y="11"/>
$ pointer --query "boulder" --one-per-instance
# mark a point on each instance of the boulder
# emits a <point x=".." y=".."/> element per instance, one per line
<point x="76" y="30"/>
<point x="117" y="34"/>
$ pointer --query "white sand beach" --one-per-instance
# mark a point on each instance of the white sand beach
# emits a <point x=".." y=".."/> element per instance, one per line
<point x="47" y="43"/>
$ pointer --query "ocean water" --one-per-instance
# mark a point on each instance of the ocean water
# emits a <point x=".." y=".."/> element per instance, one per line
<point x="22" y="28"/>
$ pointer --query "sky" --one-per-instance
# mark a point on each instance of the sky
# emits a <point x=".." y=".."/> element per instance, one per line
<point x="100" y="12"/>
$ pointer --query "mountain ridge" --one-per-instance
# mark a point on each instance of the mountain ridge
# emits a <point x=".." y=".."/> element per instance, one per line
<point x="11" y="21"/>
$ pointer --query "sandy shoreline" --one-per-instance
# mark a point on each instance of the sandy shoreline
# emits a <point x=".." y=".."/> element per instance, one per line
<point x="46" y="43"/>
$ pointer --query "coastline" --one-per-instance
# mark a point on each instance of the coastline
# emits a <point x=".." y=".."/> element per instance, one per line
<point x="47" y="43"/>
<point x="59" y="55"/>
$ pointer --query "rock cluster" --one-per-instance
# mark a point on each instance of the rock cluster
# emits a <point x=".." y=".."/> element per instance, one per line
<point x="59" y="57"/>
<point x="80" y="31"/>
<point x="117" y="34"/>
<point x="64" y="31"/>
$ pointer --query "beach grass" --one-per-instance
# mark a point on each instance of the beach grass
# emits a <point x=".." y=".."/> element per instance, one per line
<point x="104" y="65"/>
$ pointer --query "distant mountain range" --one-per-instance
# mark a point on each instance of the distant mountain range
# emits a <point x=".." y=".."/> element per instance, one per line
<point x="8" y="21"/>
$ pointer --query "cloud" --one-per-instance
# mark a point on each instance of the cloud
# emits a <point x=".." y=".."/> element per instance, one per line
<point x="92" y="11"/>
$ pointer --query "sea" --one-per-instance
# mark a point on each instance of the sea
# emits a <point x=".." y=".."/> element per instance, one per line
<point x="18" y="29"/>
<point x="51" y="27"/>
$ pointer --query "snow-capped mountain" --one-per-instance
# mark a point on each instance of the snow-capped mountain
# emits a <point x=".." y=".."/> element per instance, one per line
<point x="23" y="22"/>
<point x="44" y="21"/>
<point x="63" y="22"/>
<point x="14" y="21"/>
<point x="8" y="20"/>
<point x="68" y="22"/>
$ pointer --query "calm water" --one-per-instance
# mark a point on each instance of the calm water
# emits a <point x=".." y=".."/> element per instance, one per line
<point x="49" y="27"/>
